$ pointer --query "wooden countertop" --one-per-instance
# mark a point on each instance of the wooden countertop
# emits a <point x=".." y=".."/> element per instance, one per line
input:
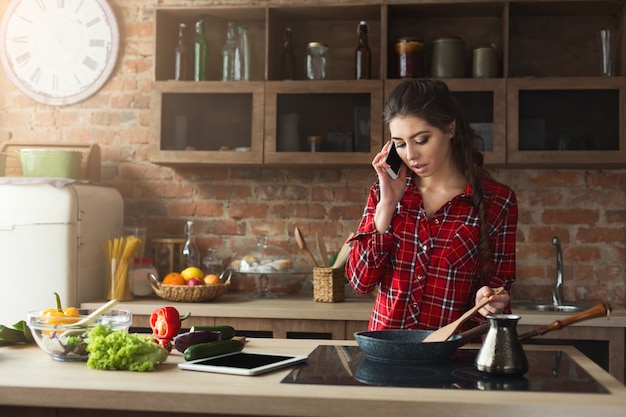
<point x="31" y="378"/>
<point x="238" y="304"/>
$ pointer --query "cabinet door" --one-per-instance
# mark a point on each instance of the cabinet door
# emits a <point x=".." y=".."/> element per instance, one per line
<point x="484" y="103"/>
<point x="566" y="121"/>
<point x="346" y="114"/>
<point x="207" y="122"/>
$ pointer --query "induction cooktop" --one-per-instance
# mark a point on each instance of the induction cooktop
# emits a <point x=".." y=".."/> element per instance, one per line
<point x="549" y="371"/>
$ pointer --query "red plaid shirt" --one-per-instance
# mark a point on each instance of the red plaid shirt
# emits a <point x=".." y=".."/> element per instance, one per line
<point x="426" y="270"/>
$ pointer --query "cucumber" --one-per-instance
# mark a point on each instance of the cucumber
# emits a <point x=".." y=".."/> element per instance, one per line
<point x="209" y="349"/>
<point x="228" y="332"/>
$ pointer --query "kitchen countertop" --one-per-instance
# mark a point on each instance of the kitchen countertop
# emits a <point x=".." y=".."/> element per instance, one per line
<point x="239" y="304"/>
<point x="31" y="378"/>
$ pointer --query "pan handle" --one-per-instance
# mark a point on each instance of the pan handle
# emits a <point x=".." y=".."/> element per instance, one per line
<point x="599" y="310"/>
<point x="472" y="333"/>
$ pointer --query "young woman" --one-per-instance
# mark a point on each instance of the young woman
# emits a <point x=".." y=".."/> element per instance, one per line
<point x="441" y="236"/>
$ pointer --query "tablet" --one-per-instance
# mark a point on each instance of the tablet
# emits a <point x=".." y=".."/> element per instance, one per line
<point x="243" y="363"/>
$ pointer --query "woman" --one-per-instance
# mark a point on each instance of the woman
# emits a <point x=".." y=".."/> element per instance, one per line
<point x="441" y="236"/>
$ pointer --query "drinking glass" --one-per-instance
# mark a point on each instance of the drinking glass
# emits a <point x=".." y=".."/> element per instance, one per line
<point x="608" y="43"/>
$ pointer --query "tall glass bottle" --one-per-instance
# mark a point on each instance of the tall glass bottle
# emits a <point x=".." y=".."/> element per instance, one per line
<point x="200" y="52"/>
<point x="242" y="55"/>
<point x="190" y="253"/>
<point x="181" y="56"/>
<point x="228" y="54"/>
<point x="363" y="54"/>
<point x="288" y="68"/>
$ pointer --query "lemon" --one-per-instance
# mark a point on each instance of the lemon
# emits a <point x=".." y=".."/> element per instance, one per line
<point x="192" y="272"/>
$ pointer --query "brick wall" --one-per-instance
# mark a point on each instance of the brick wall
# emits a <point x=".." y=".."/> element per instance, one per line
<point x="230" y="206"/>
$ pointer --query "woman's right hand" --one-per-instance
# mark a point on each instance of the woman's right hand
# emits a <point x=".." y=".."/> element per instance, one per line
<point x="391" y="191"/>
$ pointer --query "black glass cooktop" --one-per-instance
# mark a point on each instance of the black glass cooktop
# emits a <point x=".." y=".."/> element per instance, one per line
<point x="549" y="371"/>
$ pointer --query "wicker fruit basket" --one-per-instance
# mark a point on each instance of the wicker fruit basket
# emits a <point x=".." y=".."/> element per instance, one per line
<point x="189" y="294"/>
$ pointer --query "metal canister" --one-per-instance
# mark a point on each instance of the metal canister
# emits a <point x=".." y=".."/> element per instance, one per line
<point x="316" y="61"/>
<point x="409" y="54"/>
<point x="448" y="58"/>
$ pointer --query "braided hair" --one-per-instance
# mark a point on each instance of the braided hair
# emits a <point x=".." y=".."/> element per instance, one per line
<point x="431" y="101"/>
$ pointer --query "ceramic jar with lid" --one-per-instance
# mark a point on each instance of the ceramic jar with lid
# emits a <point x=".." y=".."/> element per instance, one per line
<point x="448" y="58"/>
<point x="485" y="63"/>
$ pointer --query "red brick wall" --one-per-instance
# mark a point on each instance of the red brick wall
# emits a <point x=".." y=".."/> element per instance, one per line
<point x="230" y="206"/>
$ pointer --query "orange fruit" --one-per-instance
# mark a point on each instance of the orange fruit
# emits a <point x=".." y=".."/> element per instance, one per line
<point x="174" y="278"/>
<point x="212" y="279"/>
<point x="192" y="272"/>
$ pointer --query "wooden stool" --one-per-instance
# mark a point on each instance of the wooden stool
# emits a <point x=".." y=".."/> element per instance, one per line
<point x="168" y="255"/>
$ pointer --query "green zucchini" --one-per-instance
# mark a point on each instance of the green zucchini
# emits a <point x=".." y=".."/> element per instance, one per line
<point x="228" y="332"/>
<point x="209" y="349"/>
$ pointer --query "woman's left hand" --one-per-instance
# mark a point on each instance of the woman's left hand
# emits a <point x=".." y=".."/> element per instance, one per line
<point x="497" y="303"/>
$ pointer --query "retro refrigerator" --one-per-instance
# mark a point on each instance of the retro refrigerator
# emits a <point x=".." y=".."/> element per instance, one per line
<point x="51" y="240"/>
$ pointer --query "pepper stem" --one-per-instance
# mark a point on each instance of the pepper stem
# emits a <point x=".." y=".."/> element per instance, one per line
<point x="59" y="306"/>
<point x="186" y="316"/>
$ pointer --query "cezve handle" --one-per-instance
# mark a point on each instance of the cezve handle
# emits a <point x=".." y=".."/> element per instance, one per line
<point x="599" y="310"/>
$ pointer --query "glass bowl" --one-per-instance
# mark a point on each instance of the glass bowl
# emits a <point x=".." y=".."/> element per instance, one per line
<point x="65" y="342"/>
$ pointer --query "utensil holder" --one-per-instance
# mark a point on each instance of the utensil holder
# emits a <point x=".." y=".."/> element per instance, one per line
<point x="328" y="285"/>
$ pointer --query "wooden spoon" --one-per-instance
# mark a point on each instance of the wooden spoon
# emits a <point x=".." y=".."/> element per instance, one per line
<point x="96" y="313"/>
<point x="321" y="247"/>
<point x="342" y="256"/>
<point x="442" y="334"/>
<point x="302" y="244"/>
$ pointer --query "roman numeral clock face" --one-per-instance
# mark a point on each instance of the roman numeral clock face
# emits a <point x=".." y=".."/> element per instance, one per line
<point x="59" y="52"/>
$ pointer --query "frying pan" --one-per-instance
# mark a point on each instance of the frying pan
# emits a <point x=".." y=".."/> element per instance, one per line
<point x="405" y="346"/>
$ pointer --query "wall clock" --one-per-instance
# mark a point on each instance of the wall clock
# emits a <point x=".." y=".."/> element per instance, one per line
<point x="59" y="52"/>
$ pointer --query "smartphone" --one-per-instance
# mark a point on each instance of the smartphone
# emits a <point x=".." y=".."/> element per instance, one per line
<point x="394" y="160"/>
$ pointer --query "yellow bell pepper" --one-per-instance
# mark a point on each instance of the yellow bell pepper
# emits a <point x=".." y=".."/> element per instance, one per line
<point x="60" y="315"/>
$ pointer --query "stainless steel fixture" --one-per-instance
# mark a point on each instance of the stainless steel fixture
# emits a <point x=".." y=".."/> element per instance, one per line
<point x="557" y="291"/>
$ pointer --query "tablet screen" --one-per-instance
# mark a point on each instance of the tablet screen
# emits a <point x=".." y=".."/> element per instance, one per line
<point x="242" y="363"/>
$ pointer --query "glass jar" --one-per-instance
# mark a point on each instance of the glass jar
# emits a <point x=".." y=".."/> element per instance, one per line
<point x="316" y="61"/>
<point x="315" y="143"/>
<point x="140" y="286"/>
<point x="211" y="264"/>
<point x="409" y="53"/>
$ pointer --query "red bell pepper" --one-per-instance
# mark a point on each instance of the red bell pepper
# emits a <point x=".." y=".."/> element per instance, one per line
<point x="166" y="322"/>
<point x="164" y="343"/>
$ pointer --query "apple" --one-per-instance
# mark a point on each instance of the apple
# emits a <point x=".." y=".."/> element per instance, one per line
<point x="194" y="281"/>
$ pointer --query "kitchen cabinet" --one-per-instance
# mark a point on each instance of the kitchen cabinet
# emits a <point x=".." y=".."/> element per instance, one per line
<point x="548" y="107"/>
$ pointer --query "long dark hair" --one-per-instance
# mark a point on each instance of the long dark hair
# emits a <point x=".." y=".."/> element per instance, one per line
<point x="431" y="101"/>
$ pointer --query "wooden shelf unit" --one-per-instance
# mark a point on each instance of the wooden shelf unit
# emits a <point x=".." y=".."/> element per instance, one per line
<point x="548" y="54"/>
